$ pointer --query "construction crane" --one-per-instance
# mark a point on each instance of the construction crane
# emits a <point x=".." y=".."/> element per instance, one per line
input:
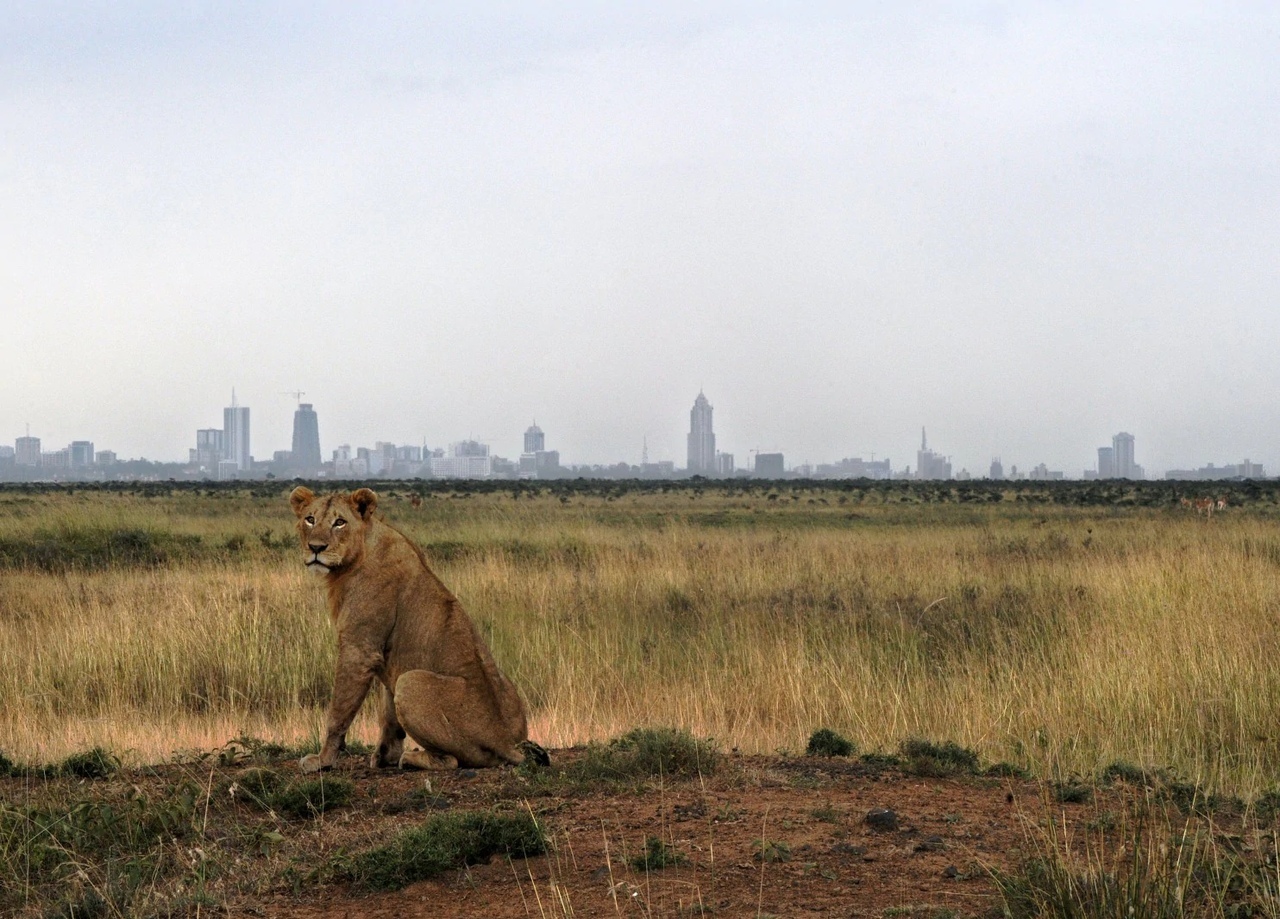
<point x="296" y="393"/>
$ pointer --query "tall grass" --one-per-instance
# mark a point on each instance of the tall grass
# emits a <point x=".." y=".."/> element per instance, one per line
<point x="1058" y="637"/>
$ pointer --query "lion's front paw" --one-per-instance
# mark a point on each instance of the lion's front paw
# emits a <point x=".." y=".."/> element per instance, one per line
<point x="311" y="763"/>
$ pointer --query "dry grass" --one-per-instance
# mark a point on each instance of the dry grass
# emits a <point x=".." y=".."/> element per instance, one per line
<point x="1059" y="638"/>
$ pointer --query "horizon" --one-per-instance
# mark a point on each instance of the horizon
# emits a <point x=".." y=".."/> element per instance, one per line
<point x="741" y="457"/>
<point x="1024" y="228"/>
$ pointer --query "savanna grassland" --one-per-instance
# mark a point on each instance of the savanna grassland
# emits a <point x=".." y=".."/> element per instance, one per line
<point x="1059" y="628"/>
<point x="874" y="699"/>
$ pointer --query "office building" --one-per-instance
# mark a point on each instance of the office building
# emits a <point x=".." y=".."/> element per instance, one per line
<point x="534" y="440"/>
<point x="306" y="439"/>
<point x="235" y="436"/>
<point x="724" y="464"/>
<point x="702" y="440"/>
<point x="26" y="451"/>
<point x="996" y="473"/>
<point x="770" y="466"/>
<point x="1106" y="463"/>
<point x="1122" y="445"/>
<point x="81" y="454"/>
<point x="930" y="465"/>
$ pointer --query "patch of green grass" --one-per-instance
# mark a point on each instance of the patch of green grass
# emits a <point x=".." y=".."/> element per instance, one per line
<point x="1120" y="771"/>
<point x="771" y="851"/>
<point x="444" y="842"/>
<point x="647" y="753"/>
<point x="826" y="742"/>
<point x="926" y="758"/>
<point x="303" y="797"/>
<point x="91" y="849"/>
<point x="92" y="764"/>
<point x="658" y="855"/>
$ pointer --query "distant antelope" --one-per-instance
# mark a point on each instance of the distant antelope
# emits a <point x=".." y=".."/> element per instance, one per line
<point x="1204" y="506"/>
<point x="416" y="501"/>
<point x="1221" y="504"/>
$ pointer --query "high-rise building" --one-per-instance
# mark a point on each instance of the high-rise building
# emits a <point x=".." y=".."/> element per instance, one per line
<point x="534" y="440"/>
<point x="26" y="451"/>
<point x="81" y="453"/>
<point x="235" y="435"/>
<point x="306" y="438"/>
<point x="1126" y="468"/>
<point x="724" y="464"/>
<point x="770" y="466"/>
<point x="930" y="465"/>
<point x="702" y="440"/>
<point x="1106" y="463"/>
<point x="996" y="472"/>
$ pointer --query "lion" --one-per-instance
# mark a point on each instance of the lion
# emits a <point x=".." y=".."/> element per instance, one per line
<point x="399" y="625"/>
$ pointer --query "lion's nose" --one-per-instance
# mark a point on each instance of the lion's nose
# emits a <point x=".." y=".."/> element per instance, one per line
<point x="317" y="547"/>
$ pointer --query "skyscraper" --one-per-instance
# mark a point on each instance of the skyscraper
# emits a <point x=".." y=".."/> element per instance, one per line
<point x="534" y="440"/>
<point x="1106" y="462"/>
<point x="702" y="440"/>
<point x="1126" y="468"/>
<point x="235" y="434"/>
<point x="306" y="438"/>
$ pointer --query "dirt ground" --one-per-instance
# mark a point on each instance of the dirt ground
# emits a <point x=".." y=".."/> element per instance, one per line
<point x="764" y="837"/>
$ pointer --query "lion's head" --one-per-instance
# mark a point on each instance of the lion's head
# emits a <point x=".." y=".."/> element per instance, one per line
<point x="333" y="526"/>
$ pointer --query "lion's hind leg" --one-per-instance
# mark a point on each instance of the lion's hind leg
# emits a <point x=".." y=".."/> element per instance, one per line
<point x="391" y="739"/>
<point x="453" y="724"/>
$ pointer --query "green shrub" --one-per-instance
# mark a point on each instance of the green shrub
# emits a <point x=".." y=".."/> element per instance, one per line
<point x="647" y="753"/>
<point x="92" y="764"/>
<point x="826" y="742"/>
<point x="923" y="757"/>
<point x="444" y="842"/>
<point x="658" y="855"/>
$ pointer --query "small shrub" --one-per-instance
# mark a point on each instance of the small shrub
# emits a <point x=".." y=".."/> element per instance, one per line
<point x="444" y="842"/>
<point x="926" y="758"/>
<point x="826" y="742"/>
<point x="1072" y="792"/>
<point x="1006" y="771"/>
<point x="771" y="851"/>
<point x="658" y="855"/>
<point x="1127" y="773"/>
<point x="92" y="764"/>
<point x="646" y="753"/>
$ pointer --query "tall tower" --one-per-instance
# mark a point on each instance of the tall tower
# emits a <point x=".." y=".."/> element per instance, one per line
<point x="306" y="438"/>
<point x="1122" y="445"/>
<point x="702" y="440"/>
<point x="534" y="440"/>
<point x="235" y="434"/>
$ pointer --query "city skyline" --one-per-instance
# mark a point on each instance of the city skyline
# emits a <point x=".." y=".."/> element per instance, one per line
<point x="1026" y="227"/>
<point x="227" y="453"/>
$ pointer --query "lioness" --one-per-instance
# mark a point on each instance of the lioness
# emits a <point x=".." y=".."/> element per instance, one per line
<point x="397" y="623"/>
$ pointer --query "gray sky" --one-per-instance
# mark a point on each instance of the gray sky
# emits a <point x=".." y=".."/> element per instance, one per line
<point x="1025" y="226"/>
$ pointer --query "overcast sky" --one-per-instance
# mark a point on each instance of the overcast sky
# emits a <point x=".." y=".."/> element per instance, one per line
<point x="1024" y="226"/>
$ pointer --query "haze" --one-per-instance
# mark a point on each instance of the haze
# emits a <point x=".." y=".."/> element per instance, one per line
<point x="1024" y="226"/>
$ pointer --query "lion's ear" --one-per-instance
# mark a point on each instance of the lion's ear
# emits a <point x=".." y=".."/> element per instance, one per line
<point x="365" y="502"/>
<point x="300" y="497"/>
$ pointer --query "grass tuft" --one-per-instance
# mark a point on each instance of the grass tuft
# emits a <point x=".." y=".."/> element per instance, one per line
<point x="647" y="753"/>
<point x="268" y="790"/>
<point x="444" y="842"/>
<point x="926" y="758"/>
<point x="658" y="855"/>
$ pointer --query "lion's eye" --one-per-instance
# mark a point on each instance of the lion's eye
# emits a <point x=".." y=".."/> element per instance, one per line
<point x="339" y="523"/>
<point x="309" y="521"/>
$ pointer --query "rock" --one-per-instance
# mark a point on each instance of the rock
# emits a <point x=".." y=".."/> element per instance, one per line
<point x="844" y="848"/>
<point x="951" y="871"/>
<point x="882" y="819"/>
<point x="931" y="844"/>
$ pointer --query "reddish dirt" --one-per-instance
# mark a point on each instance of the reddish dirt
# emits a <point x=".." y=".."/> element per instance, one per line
<point x="951" y="833"/>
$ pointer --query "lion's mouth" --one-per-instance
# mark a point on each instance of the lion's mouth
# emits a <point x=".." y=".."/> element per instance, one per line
<point x="314" y="562"/>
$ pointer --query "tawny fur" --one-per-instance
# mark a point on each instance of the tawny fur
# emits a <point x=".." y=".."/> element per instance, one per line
<point x="399" y="625"/>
